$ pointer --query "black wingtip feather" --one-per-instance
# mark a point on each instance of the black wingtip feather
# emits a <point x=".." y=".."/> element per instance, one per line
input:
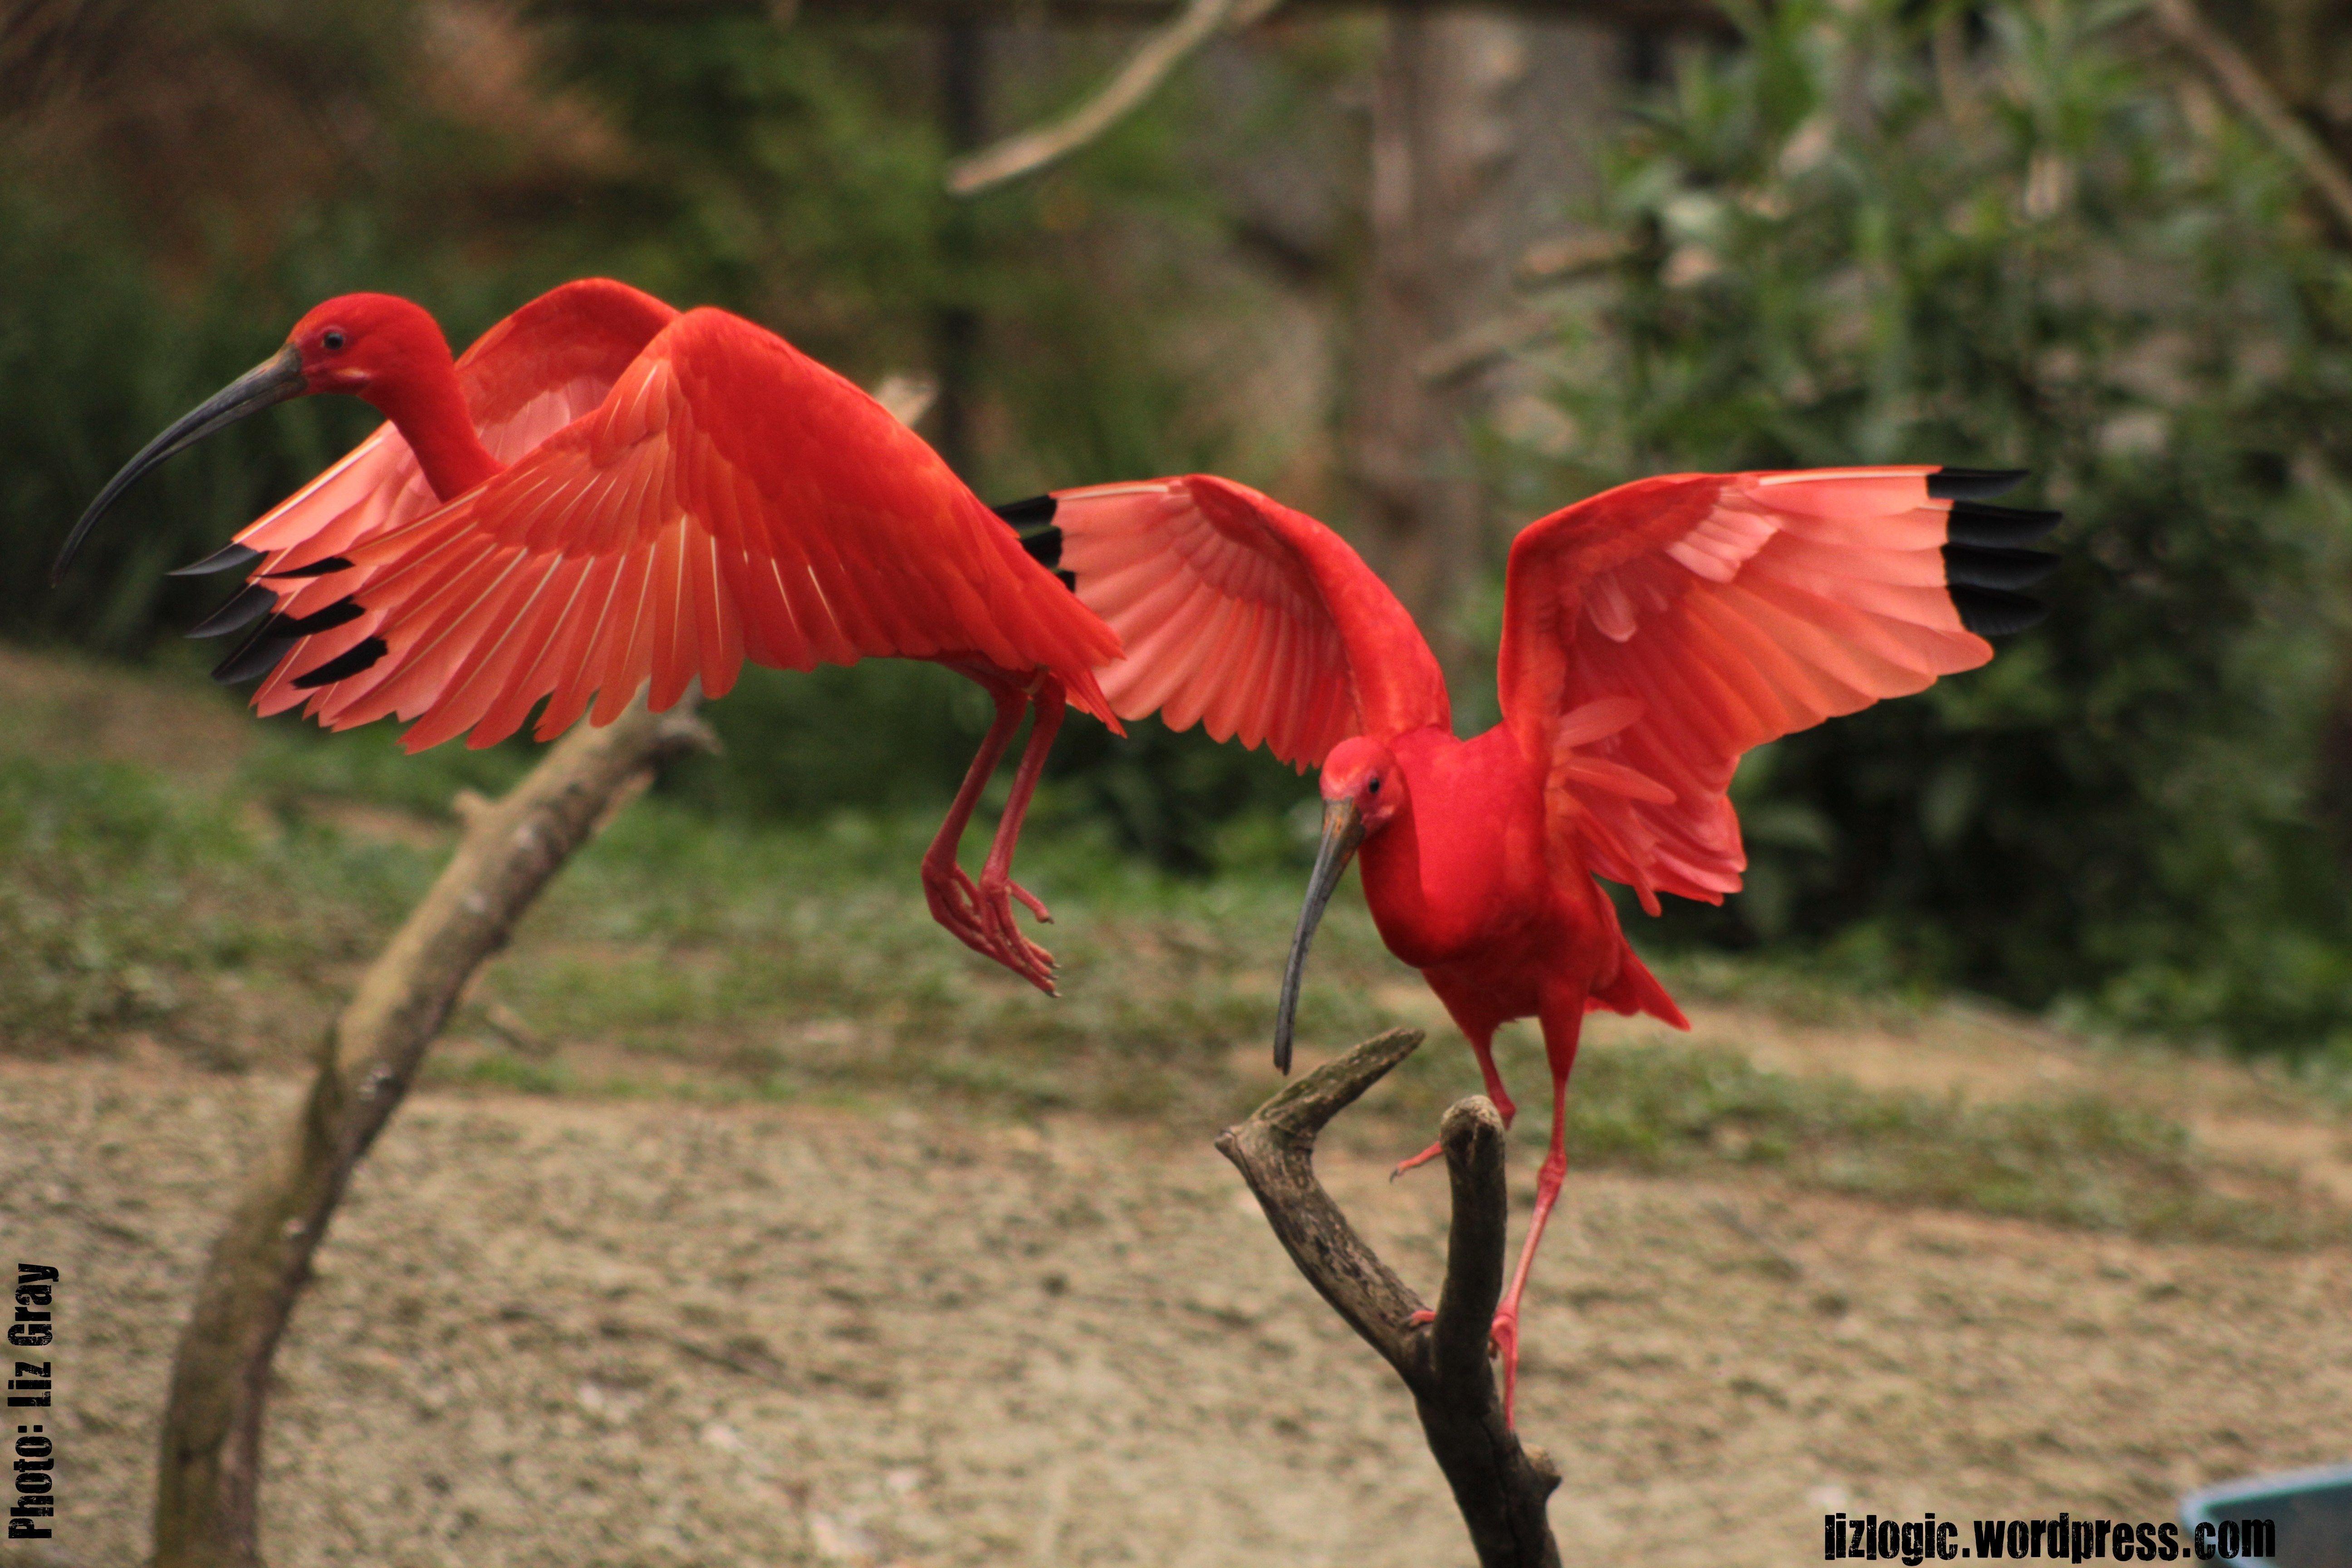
<point x="343" y="612"/>
<point x="362" y="656"/>
<point x="1985" y="561"/>
<point x="1029" y="512"/>
<point x="1044" y="547"/>
<point x="1976" y="566"/>
<point x="1973" y="484"/>
<point x="256" y="655"/>
<point x="227" y="558"/>
<point x="316" y="568"/>
<point x="245" y="606"/>
<point x="259" y="653"/>
<point x="1995" y="611"/>
<point x="1997" y="527"/>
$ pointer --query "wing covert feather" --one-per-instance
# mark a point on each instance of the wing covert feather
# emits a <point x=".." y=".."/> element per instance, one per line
<point x="1244" y="615"/>
<point x="727" y="497"/>
<point x="527" y="377"/>
<point x="1725" y="610"/>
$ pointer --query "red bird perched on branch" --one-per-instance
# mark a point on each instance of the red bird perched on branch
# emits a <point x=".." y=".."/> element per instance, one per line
<point x="603" y="493"/>
<point x="1651" y="636"/>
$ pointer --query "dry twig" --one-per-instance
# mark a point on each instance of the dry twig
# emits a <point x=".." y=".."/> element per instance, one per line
<point x="207" y="1490"/>
<point x="1138" y="79"/>
<point x="2259" y="102"/>
<point x="1500" y="1486"/>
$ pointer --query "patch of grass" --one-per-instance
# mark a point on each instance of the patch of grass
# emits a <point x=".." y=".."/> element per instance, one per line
<point x="1804" y="987"/>
<point x="501" y="1069"/>
<point x="2078" y="1160"/>
<point x="290" y="764"/>
<point x="128" y="898"/>
<point x="227" y="914"/>
<point x="808" y="957"/>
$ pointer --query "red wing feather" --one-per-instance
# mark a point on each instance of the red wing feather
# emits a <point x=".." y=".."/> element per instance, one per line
<point x="1725" y="610"/>
<point x="728" y="498"/>
<point x="525" y="378"/>
<point x="1243" y="616"/>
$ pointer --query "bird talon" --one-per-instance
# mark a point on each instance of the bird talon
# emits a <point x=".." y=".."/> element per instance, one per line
<point x="1503" y="1343"/>
<point x="1035" y="906"/>
<point x="962" y="907"/>
<point x="1418" y="1160"/>
<point x="1001" y="938"/>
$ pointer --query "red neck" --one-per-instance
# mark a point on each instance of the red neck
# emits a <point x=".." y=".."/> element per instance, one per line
<point x="427" y="408"/>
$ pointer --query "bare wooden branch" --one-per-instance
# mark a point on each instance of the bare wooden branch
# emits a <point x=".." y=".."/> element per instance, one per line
<point x="1501" y="1486"/>
<point x="1274" y="1151"/>
<point x="1560" y="260"/>
<point x="1134" y="82"/>
<point x="207" y="1490"/>
<point x="1566" y="256"/>
<point x="2259" y="102"/>
<point x="1497" y="337"/>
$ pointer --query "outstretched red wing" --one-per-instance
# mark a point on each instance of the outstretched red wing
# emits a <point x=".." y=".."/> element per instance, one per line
<point x="729" y="498"/>
<point x="1243" y="616"/>
<point x="525" y="378"/>
<point x="1655" y="632"/>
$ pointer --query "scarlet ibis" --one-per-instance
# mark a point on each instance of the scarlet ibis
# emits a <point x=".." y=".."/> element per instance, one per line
<point x="604" y="492"/>
<point x="1651" y="636"/>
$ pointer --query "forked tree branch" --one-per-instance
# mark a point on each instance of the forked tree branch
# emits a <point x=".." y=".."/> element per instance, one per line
<point x="1034" y="149"/>
<point x="207" y="1489"/>
<point x="1501" y="1486"/>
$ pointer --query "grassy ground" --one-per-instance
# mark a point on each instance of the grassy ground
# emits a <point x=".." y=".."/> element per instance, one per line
<point x="181" y="879"/>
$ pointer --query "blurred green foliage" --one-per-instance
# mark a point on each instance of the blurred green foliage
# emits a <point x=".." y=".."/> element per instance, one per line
<point x="1860" y="241"/>
<point x="792" y="173"/>
<point x="1992" y="234"/>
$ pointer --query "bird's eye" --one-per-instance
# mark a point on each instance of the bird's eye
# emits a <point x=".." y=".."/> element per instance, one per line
<point x="333" y="341"/>
<point x="1376" y="785"/>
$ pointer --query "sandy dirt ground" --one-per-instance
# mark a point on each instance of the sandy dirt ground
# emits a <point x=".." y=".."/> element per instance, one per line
<point x="634" y="1333"/>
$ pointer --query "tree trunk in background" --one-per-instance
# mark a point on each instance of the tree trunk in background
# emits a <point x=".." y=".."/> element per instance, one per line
<point x="955" y="325"/>
<point x="1441" y="145"/>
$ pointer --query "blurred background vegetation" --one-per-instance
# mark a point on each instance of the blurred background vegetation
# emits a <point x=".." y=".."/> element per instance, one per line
<point x="1644" y="238"/>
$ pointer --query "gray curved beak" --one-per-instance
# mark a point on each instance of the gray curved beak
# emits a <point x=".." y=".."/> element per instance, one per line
<point x="273" y="380"/>
<point x="1343" y="829"/>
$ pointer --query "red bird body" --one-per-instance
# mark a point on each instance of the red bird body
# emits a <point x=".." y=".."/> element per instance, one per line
<point x="1651" y="636"/>
<point x="605" y="495"/>
<point x="1458" y="886"/>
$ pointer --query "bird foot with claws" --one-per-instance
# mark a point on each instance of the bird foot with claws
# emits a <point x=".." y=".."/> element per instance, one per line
<point x="1007" y="945"/>
<point x="955" y="903"/>
<point x="1503" y="1340"/>
<point x="1418" y="1160"/>
<point x="981" y="917"/>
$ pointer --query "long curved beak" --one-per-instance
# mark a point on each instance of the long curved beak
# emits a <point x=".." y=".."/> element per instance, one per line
<point x="273" y="380"/>
<point x="1343" y="829"/>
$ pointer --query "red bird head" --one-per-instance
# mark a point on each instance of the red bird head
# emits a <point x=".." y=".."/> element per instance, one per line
<point x="372" y="345"/>
<point x="1362" y="774"/>
<point x="358" y="341"/>
<point x="1363" y="790"/>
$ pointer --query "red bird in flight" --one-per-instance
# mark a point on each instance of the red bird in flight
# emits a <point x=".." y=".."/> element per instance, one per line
<point x="604" y="492"/>
<point x="1651" y="636"/>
